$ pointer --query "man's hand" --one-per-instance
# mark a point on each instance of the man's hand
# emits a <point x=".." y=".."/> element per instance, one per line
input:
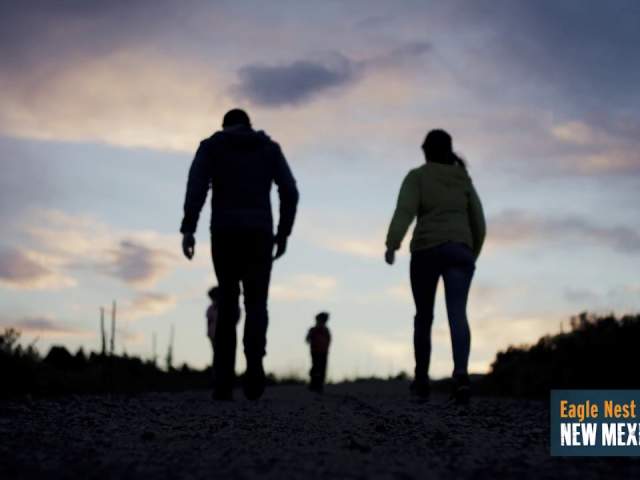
<point x="188" y="245"/>
<point x="281" y="247"/>
<point x="390" y="256"/>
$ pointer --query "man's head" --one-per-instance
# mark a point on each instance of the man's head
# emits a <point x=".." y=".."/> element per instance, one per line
<point x="236" y="117"/>
<point x="322" y="318"/>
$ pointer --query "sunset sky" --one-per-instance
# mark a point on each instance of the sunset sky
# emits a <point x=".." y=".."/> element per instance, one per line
<point x="103" y="104"/>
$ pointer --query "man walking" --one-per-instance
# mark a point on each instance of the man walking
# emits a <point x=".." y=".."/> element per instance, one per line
<point x="240" y="164"/>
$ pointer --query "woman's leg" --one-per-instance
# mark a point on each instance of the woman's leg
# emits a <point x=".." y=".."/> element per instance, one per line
<point x="457" y="275"/>
<point x="424" y="282"/>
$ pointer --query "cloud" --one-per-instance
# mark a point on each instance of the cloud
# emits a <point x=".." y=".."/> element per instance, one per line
<point x="302" y="80"/>
<point x="499" y="331"/>
<point x="622" y="298"/>
<point x="359" y="247"/>
<point x="45" y="327"/>
<point x="580" y="295"/>
<point x="26" y="180"/>
<point x="599" y="144"/>
<point x="137" y="264"/>
<point x="387" y="349"/>
<point x="161" y="103"/>
<point x="130" y="337"/>
<point x="517" y="227"/>
<point x="293" y="83"/>
<point x="304" y="287"/>
<point x="128" y="98"/>
<point x="592" y="64"/>
<point x="72" y="243"/>
<point x="149" y="304"/>
<point x="407" y="52"/>
<point x="24" y="269"/>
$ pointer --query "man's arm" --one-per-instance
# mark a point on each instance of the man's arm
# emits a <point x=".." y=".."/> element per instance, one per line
<point x="288" y="194"/>
<point x="197" y="188"/>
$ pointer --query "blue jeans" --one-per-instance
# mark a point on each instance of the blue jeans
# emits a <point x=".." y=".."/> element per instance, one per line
<point x="455" y="263"/>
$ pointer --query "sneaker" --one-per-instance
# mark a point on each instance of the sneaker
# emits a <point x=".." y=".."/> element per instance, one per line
<point x="420" y="388"/>
<point x="254" y="381"/>
<point x="461" y="389"/>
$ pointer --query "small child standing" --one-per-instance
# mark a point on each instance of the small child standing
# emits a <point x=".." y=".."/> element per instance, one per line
<point x="319" y="339"/>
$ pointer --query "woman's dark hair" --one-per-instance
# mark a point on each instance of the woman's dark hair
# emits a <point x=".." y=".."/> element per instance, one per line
<point x="438" y="148"/>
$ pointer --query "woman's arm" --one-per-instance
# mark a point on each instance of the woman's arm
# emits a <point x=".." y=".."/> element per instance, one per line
<point x="406" y="210"/>
<point x="477" y="221"/>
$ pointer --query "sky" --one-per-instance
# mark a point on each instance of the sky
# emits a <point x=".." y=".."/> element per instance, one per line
<point x="104" y="103"/>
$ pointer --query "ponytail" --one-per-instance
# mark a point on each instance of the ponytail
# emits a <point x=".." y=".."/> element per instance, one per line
<point x="456" y="160"/>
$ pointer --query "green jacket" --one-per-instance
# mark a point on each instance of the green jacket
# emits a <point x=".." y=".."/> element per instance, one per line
<point x="446" y="204"/>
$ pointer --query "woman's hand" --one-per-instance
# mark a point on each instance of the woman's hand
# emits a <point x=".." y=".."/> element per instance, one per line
<point x="390" y="256"/>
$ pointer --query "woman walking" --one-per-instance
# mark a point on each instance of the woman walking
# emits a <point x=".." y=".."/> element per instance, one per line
<point x="447" y="240"/>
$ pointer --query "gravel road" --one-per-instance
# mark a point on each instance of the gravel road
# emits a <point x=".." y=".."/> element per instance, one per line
<point x="361" y="430"/>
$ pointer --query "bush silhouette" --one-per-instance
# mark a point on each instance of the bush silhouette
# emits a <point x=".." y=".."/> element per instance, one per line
<point x="598" y="352"/>
<point x="60" y="372"/>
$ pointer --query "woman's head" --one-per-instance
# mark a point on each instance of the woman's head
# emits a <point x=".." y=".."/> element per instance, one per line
<point x="438" y="148"/>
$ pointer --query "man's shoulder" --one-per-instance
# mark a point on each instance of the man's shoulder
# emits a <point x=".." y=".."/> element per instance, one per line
<point x="211" y="139"/>
<point x="224" y="139"/>
<point x="267" y="140"/>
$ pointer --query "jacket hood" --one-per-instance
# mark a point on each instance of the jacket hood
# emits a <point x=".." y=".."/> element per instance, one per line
<point x="240" y="134"/>
<point x="450" y="175"/>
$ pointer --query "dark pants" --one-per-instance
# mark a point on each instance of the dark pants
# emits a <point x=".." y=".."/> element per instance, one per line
<point x="240" y="257"/>
<point x="455" y="263"/>
<point x="318" y="369"/>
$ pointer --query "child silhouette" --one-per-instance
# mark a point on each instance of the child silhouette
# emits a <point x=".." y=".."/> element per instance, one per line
<point x="319" y="339"/>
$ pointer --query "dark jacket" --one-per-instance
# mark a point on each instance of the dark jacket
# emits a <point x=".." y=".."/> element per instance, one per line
<point x="240" y="165"/>
<point x="319" y="339"/>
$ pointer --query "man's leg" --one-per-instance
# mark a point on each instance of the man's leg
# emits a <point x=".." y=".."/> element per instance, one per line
<point x="227" y="271"/>
<point x="255" y="280"/>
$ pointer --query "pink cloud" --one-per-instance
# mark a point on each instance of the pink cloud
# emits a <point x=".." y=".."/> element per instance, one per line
<point x="24" y="269"/>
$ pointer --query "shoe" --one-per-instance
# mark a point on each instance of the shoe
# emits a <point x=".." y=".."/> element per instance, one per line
<point x="420" y="388"/>
<point x="254" y="380"/>
<point x="461" y="389"/>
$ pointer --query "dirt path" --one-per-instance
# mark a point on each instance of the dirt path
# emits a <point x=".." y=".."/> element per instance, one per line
<point x="369" y="430"/>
